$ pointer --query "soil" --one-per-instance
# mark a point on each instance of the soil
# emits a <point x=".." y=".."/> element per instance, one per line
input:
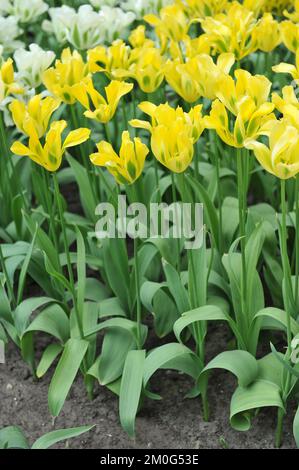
<point x="172" y="423"/>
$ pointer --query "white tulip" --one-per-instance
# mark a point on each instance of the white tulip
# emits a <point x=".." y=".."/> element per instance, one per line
<point x="115" y="22"/>
<point x="26" y="10"/>
<point x="9" y="31"/>
<point x="86" y="30"/>
<point x="31" y="64"/>
<point x="143" y="7"/>
<point x="101" y="3"/>
<point x="61" y="20"/>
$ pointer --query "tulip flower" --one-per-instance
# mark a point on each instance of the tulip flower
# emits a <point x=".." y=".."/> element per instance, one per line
<point x="232" y="31"/>
<point x="9" y="33"/>
<point x="294" y="16"/>
<point x="32" y="63"/>
<point x="173" y="145"/>
<point x="97" y="106"/>
<point x="203" y="8"/>
<point x="109" y="59"/>
<point x="8" y="86"/>
<point x="293" y="70"/>
<point x="128" y="165"/>
<point x="246" y="99"/>
<point x="69" y="71"/>
<point x="137" y="38"/>
<point x="281" y="157"/>
<point x="290" y="35"/>
<point x="36" y="114"/>
<point x="268" y="33"/>
<point x="146" y="68"/>
<point x="50" y="154"/>
<point x="165" y="114"/>
<point x="173" y="133"/>
<point x="197" y="77"/>
<point x="171" y="24"/>
<point x="27" y="11"/>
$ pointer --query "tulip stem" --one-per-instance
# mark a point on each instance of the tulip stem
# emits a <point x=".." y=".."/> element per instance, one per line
<point x="287" y="280"/>
<point x="297" y="241"/>
<point x="174" y="198"/>
<point x="67" y="253"/>
<point x="138" y="302"/>
<point x="242" y="230"/>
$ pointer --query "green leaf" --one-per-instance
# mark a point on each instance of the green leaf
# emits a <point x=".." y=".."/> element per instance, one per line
<point x="296" y="427"/>
<point x="280" y="319"/>
<point x="12" y="437"/>
<point x="240" y="363"/>
<point x="176" y="287"/>
<point x="130" y="390"/>
<point x="52" y="320"/>
<point x="171" y="356"/>
<point x="48" y="357"/>
<point x="65" y="373"/>
<point x="25" y="309"/>
<point x="210" y="210"/>
<point x="123" y="323"/>
<point x="59" y="435"/>
<point x="257" y="395"/>
<point x="81" y="272"/>
<point x="85" y="193"/>
<point x="206" y="313"/>
<point x="23" y="273"/>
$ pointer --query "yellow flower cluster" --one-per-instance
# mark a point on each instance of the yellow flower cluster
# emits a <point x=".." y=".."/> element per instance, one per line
<point x="195" y="53"/>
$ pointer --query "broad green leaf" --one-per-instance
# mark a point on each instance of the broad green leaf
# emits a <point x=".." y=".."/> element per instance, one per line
<point x="240" y="363"/>
<point x="48" y="357"/>
<point x="52" y="320"/>
<point x="25" y="309"/>
<point x="296" y="427"/>
<point x="259" y="394"/>
<point x="176" y="287"/>
<point x="12" y="437"/>
<point x="65" y="373"/>
<point x="130" y="390"/>
<point x="280" y="319"/>
<point x="59" y="435"/>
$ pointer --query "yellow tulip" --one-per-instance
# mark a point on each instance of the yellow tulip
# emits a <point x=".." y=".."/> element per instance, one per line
<point x="183" y="78"/>
<point x="294" y="16"/>
<point x="172" y="23"/>
<point x="128" y="165"/>
<point x="233" y="31"/>
<point x="288" y="99"/>
<point x="8" y="86"/>
<point x="165" y="115"/>
<point x="36" y="113"/>
<point x="268" y="33"/>
<point x="109" y="59"/>
<point x="246" y="99"/>
<point x="69" y="71"/>
<point x="290" y="35"/>
<point x="138" y="39"/>
<point x="281" y="157"/>
<point x="194" y="47"/>
<point x="50" y="154"/>
<point x="293" y="70"/>
<point x="288" y="105"/>
<point x="199" y="76"/>
<point x="173" y="133"/>
<point x="97" y="106"/>
<point x="173" y="146"/>
<point x="256" y="6"/>
<point x="277" y="6"/>
<point x="146" y="68"/>
<point x="203" y="8"/>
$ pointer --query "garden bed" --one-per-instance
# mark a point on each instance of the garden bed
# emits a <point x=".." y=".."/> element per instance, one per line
<point x="173" y="423"/>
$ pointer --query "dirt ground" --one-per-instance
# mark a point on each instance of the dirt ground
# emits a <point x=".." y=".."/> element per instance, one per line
<point x="172" y="423"/>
